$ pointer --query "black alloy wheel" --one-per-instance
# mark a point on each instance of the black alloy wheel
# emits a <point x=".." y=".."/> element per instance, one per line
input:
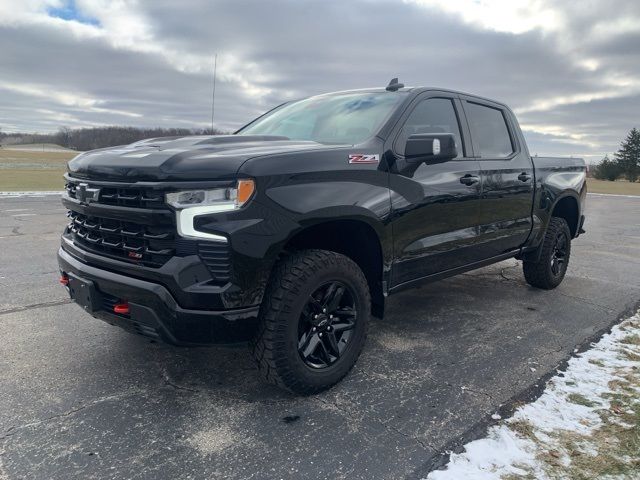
<point x="559" y="254"/>
<point x="326" y="325"/>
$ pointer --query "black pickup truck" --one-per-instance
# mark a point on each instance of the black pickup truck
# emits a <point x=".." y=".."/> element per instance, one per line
<point x="291" y="232"/>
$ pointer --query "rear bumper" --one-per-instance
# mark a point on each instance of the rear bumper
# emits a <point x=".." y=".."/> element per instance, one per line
<point x="154" y="312"/>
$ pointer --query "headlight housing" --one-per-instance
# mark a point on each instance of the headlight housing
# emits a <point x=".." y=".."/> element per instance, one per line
<point x="226" y="198"/>
<point x="191" y="203"/>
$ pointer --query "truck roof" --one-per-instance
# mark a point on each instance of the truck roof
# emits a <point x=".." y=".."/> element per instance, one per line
<point x="414" y="90"/>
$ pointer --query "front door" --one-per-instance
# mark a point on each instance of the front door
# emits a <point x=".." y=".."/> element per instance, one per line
<point x="434" y="206"/>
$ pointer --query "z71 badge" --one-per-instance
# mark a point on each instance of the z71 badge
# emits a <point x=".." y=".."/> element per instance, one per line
<point x="362" y="158"/>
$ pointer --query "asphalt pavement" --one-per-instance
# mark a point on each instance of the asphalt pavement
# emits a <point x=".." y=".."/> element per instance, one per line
<point x="82" y="399"/>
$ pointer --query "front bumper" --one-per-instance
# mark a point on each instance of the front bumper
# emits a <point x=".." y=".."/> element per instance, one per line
<point x="154" y="312"/>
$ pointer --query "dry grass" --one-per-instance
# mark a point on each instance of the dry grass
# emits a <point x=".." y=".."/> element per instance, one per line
<point x="620" y="187"/>
<point x="19" y="180"/>
<point x="632" y="340"/>
<point x="580" y="400"/>
<point x="32" y="170"/>
<point x="524" y="428"/>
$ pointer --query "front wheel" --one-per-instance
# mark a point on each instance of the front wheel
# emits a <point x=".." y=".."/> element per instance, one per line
<point x="312" y="322"/>
<point x="549" y="270"/>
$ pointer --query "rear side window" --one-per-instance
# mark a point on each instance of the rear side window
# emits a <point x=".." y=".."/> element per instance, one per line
<point x="489" y="131"/>
<point x="433" y="115"/>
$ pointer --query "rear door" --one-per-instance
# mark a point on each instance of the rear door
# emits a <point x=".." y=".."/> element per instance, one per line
<point x="435" y="206"/>
<point x="507" y="177"/>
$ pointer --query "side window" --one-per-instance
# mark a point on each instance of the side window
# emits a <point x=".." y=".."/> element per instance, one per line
<point x="433" y="115"/>
<point x="489" y="131"/>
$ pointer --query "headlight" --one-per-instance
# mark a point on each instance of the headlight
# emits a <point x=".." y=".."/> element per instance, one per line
<point x="192" y="203"/>
<point x="225" y="198"/>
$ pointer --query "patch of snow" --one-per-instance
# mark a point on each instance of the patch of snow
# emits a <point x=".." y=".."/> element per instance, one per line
<point x="504" y="451"/>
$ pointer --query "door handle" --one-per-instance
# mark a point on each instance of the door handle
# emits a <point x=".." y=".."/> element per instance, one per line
<point x="469" y="179"/>
<point x="524" y="177"/>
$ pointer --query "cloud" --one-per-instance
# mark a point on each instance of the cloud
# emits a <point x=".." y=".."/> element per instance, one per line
<point x="511" y="16"/>
<point x="570" y="70"/>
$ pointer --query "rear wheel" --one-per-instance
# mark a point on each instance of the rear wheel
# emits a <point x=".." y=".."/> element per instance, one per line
<point x="549" y="271"/>
<point x="313" y="320"/>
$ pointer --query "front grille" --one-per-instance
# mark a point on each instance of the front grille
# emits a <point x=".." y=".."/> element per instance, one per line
<point x="149" y="245"/>
<point x="134" y="197"/>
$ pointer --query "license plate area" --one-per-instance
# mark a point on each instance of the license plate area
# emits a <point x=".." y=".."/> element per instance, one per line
<point x="84" y="293"/>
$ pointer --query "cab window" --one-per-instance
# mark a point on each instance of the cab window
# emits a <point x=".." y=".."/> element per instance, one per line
<point x="489" y="131"/>
<point x="433" y="115"/>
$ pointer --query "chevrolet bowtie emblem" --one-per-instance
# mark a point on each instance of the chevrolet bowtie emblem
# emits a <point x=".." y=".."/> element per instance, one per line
<point x="87" y="195"/>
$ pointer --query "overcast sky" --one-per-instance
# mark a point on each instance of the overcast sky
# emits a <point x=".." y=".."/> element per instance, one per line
<point x="570" y="70"/>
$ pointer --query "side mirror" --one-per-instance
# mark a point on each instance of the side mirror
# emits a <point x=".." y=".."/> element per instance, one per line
<point x="430" y="148"/>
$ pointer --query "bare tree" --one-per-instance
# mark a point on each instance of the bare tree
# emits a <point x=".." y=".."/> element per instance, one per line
<point x="63" y="137"/>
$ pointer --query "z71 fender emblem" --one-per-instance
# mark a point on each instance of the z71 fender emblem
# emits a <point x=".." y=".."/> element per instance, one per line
<point x="362" y="158"/>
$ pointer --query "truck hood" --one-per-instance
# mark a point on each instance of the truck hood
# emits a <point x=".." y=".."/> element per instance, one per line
<point x="181" y="158"/>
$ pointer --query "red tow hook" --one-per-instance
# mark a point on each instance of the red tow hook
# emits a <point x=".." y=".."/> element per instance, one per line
<point x="64" y="280"/>
<point x="121" y="308"/>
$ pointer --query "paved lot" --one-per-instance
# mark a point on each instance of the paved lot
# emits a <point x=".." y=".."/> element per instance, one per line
<point x="82" y="399"/>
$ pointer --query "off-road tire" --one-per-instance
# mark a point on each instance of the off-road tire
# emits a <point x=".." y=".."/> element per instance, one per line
<point x="540" y="273"/>
<point x="275" y="346"/>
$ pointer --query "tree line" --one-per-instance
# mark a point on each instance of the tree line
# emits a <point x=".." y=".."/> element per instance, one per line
<point x="625" y="162"/>
<point x="83" y="139"/>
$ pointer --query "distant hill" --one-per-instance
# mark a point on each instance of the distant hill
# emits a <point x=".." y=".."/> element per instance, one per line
<point x="83" y="139"/>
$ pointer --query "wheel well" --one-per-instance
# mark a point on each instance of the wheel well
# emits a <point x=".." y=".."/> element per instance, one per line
<point x="354" y="239"/>
<point x="567" y="208"/>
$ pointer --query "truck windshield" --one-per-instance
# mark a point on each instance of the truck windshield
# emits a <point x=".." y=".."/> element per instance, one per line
<point x="349" y="118"/>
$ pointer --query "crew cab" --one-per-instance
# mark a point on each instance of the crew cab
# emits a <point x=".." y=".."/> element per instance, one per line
<point x="290" y="233"/>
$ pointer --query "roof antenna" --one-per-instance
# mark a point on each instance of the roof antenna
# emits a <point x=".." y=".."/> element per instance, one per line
<point x="394" y="85"/>
<point x="213" y="94"/>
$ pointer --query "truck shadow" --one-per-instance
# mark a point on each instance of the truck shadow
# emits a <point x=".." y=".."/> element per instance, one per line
<point x="415" y="337"/>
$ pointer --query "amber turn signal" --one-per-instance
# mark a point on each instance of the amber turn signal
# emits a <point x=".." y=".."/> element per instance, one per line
<point x="245" y="190"/>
